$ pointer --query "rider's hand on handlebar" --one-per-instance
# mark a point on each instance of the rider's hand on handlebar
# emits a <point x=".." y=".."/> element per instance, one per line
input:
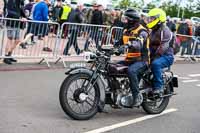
<point x="122" y="48"/>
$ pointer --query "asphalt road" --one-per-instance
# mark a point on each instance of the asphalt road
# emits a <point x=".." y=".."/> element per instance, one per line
<point x="29" y="104"/>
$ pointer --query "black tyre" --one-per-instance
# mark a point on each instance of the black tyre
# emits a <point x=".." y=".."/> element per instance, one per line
<point x="75" y="107"/>
<point x="156" y="106"/>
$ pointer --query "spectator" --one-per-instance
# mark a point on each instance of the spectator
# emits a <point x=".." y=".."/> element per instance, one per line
<point x="75" y="16"/>
<point x="1" y="8"/>
<point x="64" y="14"/>
<point x="96" y="32"/>
<point x="171" y="25"/>
<point x="107" y="17"/>
<point x="117" y="20"/>
<point x="28" y="12"/>
<point x="197" y="30"/>
<point x="97" y="16"/>
<point x="182" y="30"/>
<point x="57" y="10"/>
<point x="4" y="7"/>
<point x="13" y="10"/>
<point x="88" y="16"/>
<point x="40" y="13"/>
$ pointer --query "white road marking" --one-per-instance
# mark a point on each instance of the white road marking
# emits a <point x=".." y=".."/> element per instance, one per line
<point x="184" y="78"/>
<point x="126" y="123"/>
<point x="189" y="81"/>
<point x="194" y="75"/>
<point x="198" y="85"/>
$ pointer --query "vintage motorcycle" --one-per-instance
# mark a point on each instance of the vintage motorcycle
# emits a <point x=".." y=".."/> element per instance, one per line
<point x="89" y="86"/>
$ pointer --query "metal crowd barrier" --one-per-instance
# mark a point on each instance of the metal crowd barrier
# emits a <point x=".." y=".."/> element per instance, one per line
<point x="76" y="38"/>
<point x="189" y="47"/>
<point x="115" y="34"/>
<point x="69" y="40"/>
<point x="15" y="32"/>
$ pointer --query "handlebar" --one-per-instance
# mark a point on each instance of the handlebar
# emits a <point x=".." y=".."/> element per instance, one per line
<point x="101" y="53"/>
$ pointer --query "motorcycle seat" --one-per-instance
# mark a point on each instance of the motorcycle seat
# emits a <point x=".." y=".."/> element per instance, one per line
<point x="118" y="69"/>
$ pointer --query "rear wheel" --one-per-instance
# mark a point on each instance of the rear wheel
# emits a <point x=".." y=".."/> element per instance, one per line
<point x="158" y="105"/>
<point x="74" y="101"/>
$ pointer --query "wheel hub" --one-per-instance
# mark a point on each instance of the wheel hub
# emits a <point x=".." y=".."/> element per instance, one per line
<point x="83" y="96"/>
<point x="79" y="95"/>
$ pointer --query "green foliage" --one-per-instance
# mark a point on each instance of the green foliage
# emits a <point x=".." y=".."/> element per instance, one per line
<point x="150" y="6"/>
<point x="124" y="4"/>
<point x="191" y="9"/>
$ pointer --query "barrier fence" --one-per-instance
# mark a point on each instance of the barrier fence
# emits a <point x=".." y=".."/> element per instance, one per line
<point x="188" y="47"/>
<point x="76" y="38"/>
<point x="46" y="40"/>
<point x="28" y="39"/>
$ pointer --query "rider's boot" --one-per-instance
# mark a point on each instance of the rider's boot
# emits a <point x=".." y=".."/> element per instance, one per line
<point x="137" y="100"/>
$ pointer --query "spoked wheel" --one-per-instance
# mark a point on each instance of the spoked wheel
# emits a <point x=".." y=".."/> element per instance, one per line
<point x="156" y="105"/>
<point x="76" y="102"/>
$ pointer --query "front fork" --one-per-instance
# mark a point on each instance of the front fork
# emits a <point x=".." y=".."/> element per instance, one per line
<point x="97" y="78"/>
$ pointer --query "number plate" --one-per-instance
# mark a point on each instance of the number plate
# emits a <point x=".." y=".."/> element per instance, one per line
<point x="76" y="65"/>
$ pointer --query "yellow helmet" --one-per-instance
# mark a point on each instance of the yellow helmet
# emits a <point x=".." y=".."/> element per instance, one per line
<point x="156" y="16"/>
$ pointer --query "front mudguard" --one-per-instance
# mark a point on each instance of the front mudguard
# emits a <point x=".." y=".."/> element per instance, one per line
<point x="101" y="87"/>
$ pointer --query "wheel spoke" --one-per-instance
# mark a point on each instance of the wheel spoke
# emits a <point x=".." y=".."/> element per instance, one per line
<point x="79" y="107"/>
<point x="92" y="100"/>
<point x="88" y="103"/>
<point x="77" y="84"/>
<point x="91" y="94"/>
<point x="73" y="106"/>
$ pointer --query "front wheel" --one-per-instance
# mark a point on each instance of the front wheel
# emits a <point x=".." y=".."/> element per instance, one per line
<point x="74" y="101"/>
<point x="157" y="106"/>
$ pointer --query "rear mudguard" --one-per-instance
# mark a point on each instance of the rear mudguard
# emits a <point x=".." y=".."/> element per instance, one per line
<point x="99" y="83"/>
<point x="173" y="83"/>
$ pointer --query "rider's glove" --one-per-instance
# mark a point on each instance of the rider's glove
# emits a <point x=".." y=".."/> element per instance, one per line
<point x="122" y="48"/>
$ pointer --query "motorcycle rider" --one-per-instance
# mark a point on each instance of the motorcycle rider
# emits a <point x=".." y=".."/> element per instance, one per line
<point x="136" y="41"/>
<point x="160" y="47"/>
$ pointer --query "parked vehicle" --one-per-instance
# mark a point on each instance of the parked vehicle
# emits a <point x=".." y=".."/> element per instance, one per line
<point x="195" y="20"/>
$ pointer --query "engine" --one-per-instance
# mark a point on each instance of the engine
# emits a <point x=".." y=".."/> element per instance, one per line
<point x="123" y="95"/>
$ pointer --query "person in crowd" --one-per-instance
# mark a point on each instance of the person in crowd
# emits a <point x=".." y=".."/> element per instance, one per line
<point x="197" y="37"/>
<point x="65" y="11"/>
<point x="176" y="42"/>
<point x="136" y="40"/>
<point x="40" y="13"/>
<point x="107" y="17"/>
<point x="162" y="54"/>
<point x="117" y="19"/>
<point x="171" y="25"/>
<point x="185" y="29"/>
<point x="1" y="8"/>
<point x="64" y="14"/>
<point x="14" y="10"/>
<point x="95" y="33"/>
<point x="57" y="11"/>
<point x="97" y="16"/>
<point x="28" y="9"/>
<point x="75" y="16"/>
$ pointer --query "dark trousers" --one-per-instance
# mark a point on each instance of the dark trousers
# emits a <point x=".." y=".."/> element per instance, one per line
<point x="72" y="41"/>
<point x="186" y="45"/>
